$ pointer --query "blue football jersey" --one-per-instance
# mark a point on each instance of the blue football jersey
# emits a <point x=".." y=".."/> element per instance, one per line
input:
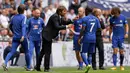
<point x="35" y="27"/>
<point x="117" y="24"/>
<point x="18" y="26"/>
<point x="77" y="26"/>
<point x="91" y="24"/>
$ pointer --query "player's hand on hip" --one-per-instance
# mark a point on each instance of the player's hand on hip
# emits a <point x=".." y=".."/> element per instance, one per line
<point x="22" y="39"/>
<point x="126" y="36"/>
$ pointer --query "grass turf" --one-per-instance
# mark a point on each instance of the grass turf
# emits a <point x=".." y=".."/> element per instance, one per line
<point x="66" y="70"/>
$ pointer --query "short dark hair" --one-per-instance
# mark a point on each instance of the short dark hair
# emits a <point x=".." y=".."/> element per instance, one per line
<point x="60" y="9"/>
<point x="21" y="8"/>
<point x="115" y="10"/>
<point x="88" y="10"/>
<point x="34" y="9"/>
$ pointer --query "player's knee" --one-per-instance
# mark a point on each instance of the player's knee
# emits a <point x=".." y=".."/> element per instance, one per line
<point x="115" y="51"/>
<point x="121" y="51"/>
<point x="77" y="52"/>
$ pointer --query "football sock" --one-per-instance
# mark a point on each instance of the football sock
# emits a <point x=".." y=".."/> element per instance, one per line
<point x="121" y="59"/>
<point x="114" y="59"/>
<point x="90" y="58"/>
<point x="80" y="64"/>
<point x="83" y="55"/>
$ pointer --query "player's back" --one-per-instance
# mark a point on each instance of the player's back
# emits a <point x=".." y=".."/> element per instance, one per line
<point x="92" y="24"/>
<point x="17" y="22"/>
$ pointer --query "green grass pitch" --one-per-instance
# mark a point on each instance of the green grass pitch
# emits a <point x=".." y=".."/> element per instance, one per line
<point x="66" y="70"/>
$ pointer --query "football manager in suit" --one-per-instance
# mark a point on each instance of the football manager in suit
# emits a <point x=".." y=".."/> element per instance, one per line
<point x="56" y="23"/>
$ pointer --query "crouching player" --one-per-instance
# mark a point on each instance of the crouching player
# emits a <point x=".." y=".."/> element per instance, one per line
<point x="117" y="23"/>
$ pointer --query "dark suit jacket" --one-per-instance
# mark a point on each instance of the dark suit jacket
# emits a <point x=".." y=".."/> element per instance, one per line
<point x="53" y="26"/>
<point x="99" y="32"/>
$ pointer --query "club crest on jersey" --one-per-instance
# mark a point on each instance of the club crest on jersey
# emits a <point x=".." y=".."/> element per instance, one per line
<point x="80" y="26"/>
<point x="121" y="21"/>
<point x="35" y="27"/>
<point x="38" y="22"/>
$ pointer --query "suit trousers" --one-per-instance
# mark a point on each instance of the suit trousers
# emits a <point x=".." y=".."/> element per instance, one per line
<point x="100" y="46"/>
<point x="46" y="52"/>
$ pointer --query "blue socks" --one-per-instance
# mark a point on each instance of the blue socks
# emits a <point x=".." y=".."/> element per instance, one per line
<point x="83" y="55"/>
<point x="90" y="59"/>
<point x="114" y="59"/>
<point x="80" y="64"/>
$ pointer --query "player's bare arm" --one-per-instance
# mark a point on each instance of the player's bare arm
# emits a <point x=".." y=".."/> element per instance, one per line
<point x="81" y="34"/>
<point x="127" y="30"/>
<point x="110" y="31"/>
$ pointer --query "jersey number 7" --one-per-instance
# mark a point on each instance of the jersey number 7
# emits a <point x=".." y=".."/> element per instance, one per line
<point x="92" y="26"/>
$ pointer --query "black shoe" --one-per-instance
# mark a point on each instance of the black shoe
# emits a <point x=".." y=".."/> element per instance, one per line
<point x="37" y="68"/>
<point x="11" y="65"/>
<point x="47" y="70"/>
<point x="102" y="68"/>
<point x="94" y="68"/>
<point x="80" y="68"/>
<point x="16" y="65"/>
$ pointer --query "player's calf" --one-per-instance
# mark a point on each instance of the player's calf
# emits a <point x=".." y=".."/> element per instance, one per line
<point x="79" y="59"/>
<point x="121" y="59"/>
<point x="115" y="50"/>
